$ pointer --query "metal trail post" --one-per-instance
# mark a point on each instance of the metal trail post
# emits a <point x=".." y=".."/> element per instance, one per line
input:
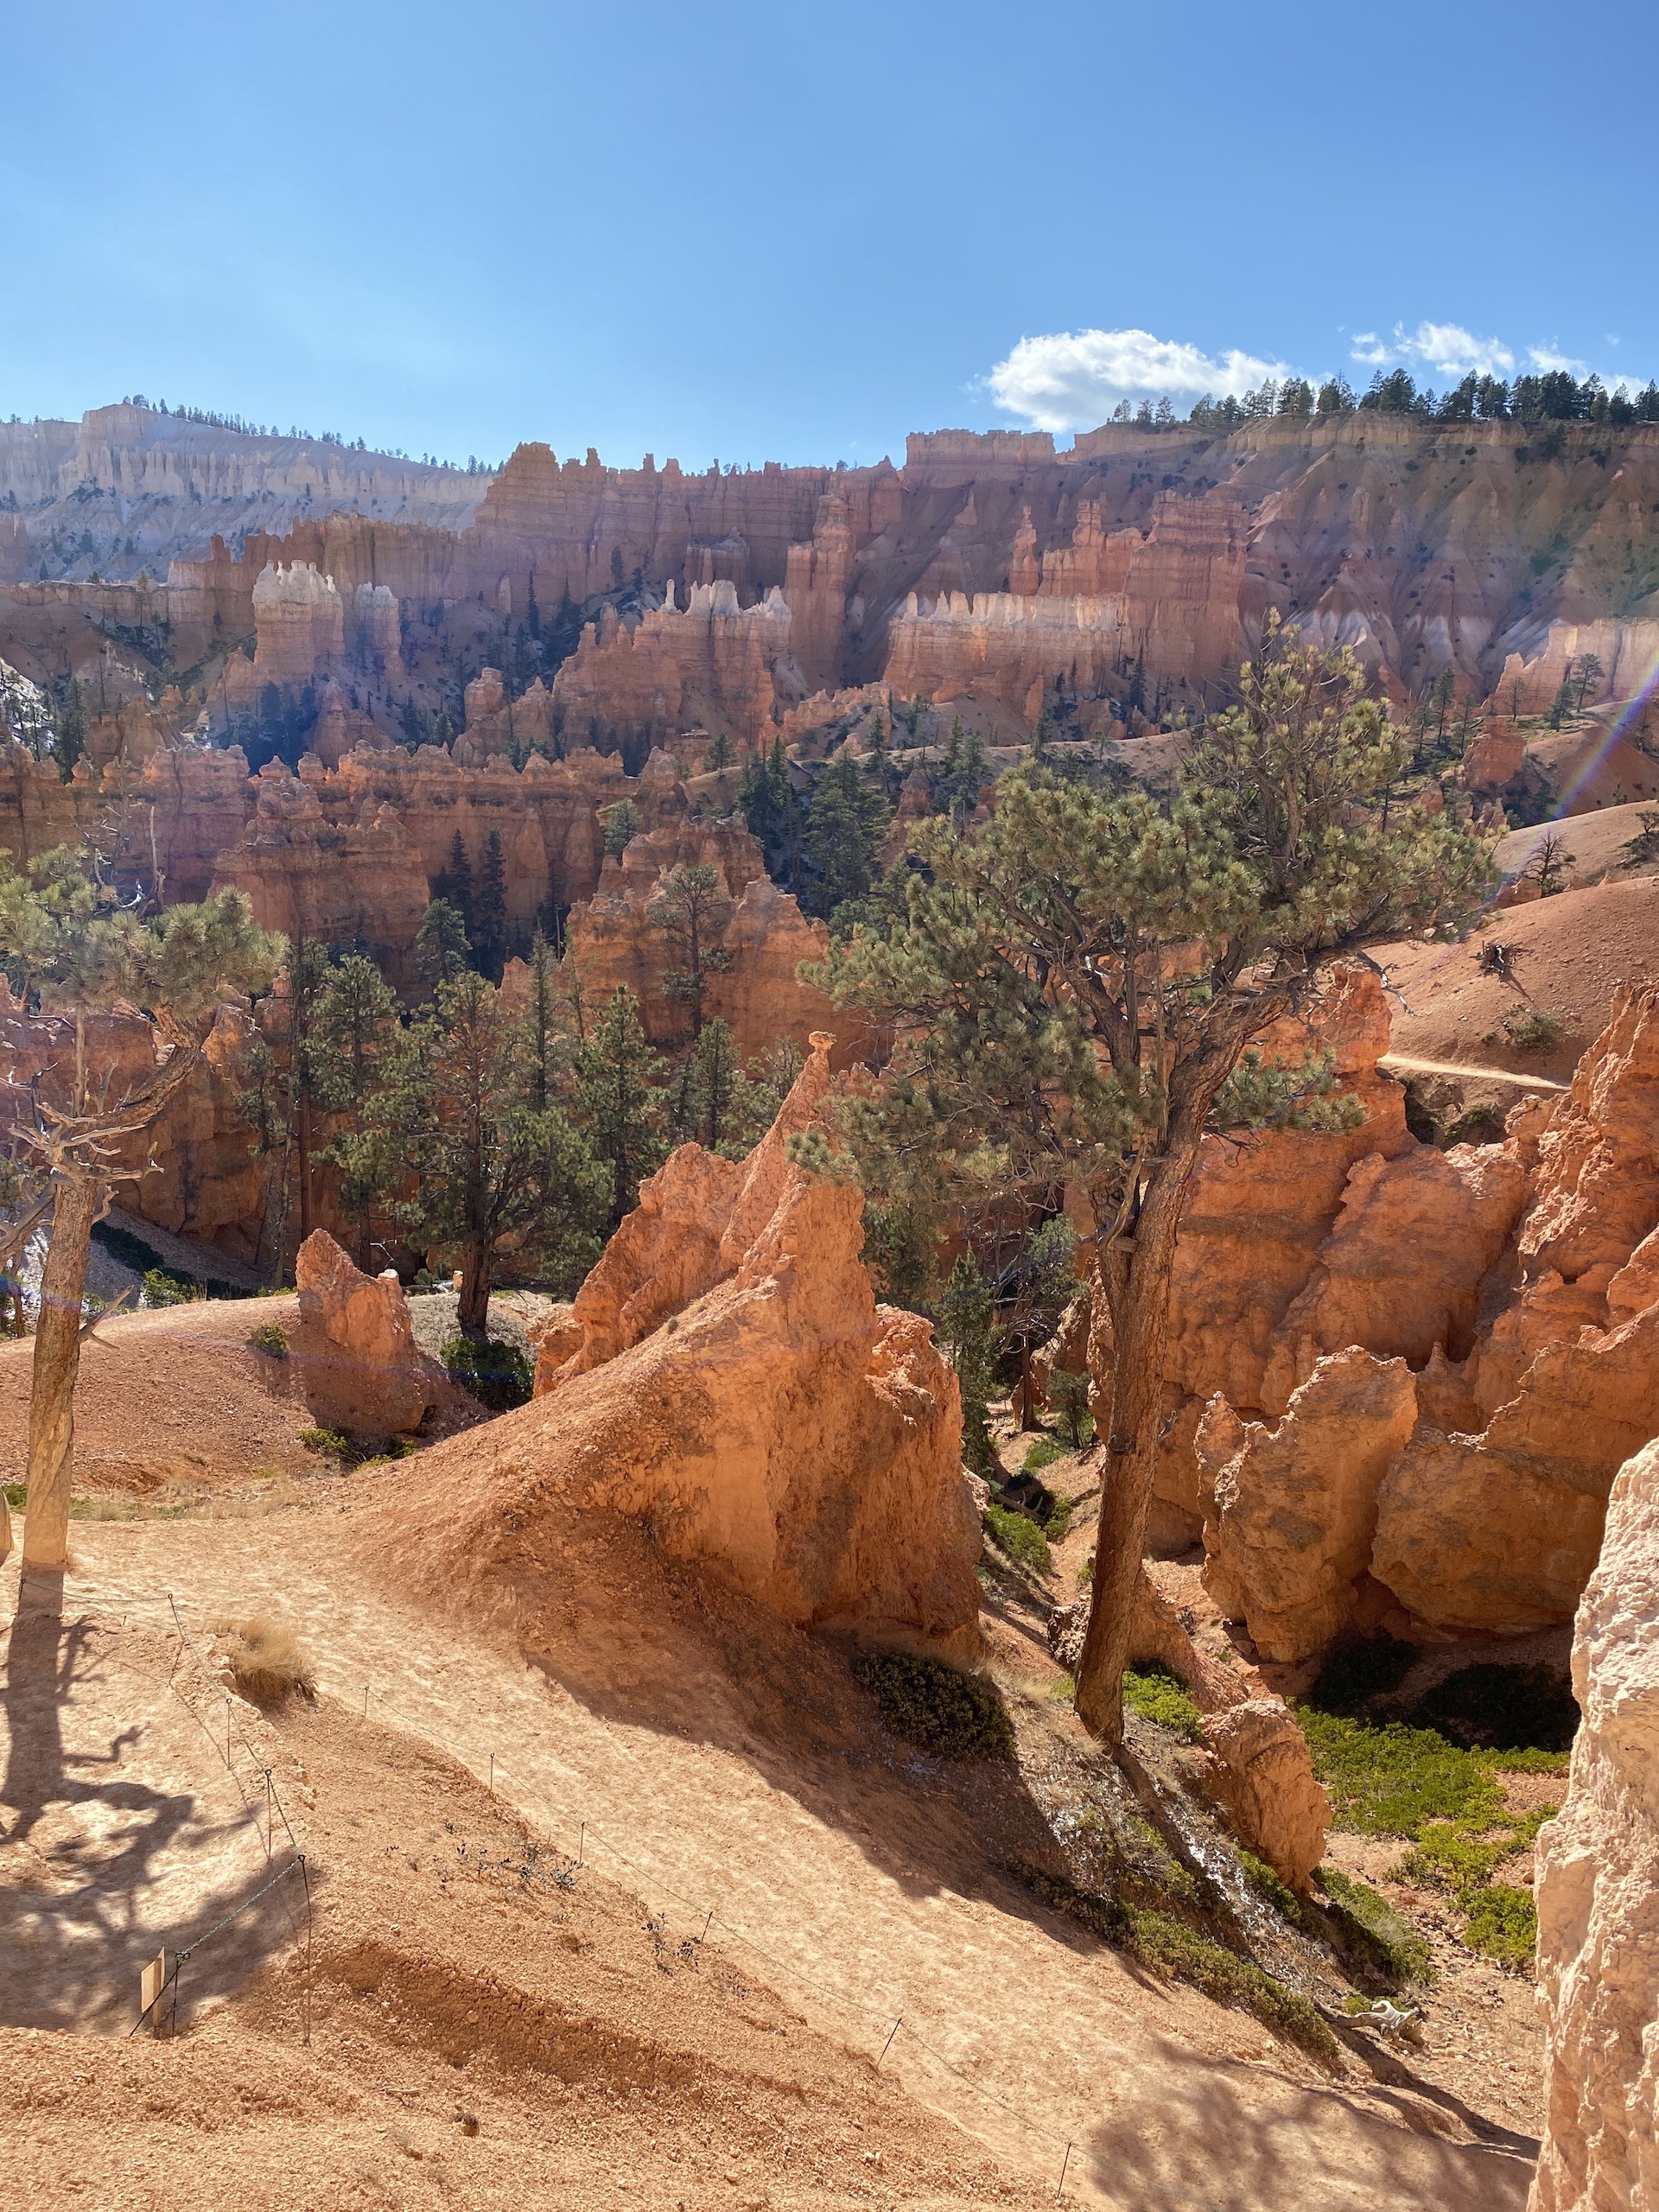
<point x="1065" y="2163"/>
<point x="887" y="2046"/>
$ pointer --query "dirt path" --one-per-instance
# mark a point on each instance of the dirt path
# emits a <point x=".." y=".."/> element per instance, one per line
<point x="1404" y="1063"/>
<point x="1178" y="2104"/>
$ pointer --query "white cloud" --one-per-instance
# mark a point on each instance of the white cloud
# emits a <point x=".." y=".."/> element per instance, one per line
<point x="1547" y="361"/>
<point x="1368" y="348"/>
<point x="1072" y="380"/>
<point x="1454" y="351"/>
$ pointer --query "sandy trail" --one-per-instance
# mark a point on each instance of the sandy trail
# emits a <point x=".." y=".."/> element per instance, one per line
<point x="1396" y="1063"/>
<point x="1168" y="2099"/>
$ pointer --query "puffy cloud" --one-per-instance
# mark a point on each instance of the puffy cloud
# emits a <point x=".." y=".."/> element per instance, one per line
<point x="1455" y="352"/>
<point x="1547" y="361"/>
<point x="1072" y="380"/>
<point x="1367" y="348"/>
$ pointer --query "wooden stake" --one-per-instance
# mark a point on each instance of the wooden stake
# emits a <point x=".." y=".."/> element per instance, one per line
<point x="151" y="1983"/>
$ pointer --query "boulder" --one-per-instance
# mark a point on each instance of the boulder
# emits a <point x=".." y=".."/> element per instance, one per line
<point x="1293" y="1509"/>
<point x="1260" y="1772"/>
<point x="1597" y="1884"/>
<point x="361" y="1368"/>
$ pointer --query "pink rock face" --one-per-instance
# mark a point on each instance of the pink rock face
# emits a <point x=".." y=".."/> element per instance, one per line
<point x="1294" y="1509"/>
<point x="1598" y="1885"/>
<point x="737" y="1387"/>
<point x="368" y="1372"/>
<point x="1261" y="1773"/>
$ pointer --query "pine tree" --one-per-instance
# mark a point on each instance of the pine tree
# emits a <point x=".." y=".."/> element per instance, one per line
<point x="619" y="1099"/>
<point x="1052" y="1027"/>
<point x="622" y="824"/>
<point x="490" y="1171"/>
<point x="488" y="925"/>
<point x="441" y="946"/>
<point x="354" y="1030"/>
<point x="1043" y="736"/>
<point x="690" y="910"/>
<point x="845" y="825"/>
<point x="70" y="734"/>
<point x="453" y="882"/>
<point x="719" y="755"/>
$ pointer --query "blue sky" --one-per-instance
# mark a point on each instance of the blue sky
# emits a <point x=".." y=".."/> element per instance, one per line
<point x="795" y="232"/>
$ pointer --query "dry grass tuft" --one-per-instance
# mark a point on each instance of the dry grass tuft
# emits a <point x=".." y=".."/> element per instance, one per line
<point x="268" y="1662"/>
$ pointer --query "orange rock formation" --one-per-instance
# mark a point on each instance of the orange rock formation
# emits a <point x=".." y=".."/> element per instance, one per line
<point x="1598" y="1883"/>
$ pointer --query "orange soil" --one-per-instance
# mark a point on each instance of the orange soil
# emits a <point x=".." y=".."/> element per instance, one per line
<point x="718" y="1759"/>
<point x="1570" y="951"/>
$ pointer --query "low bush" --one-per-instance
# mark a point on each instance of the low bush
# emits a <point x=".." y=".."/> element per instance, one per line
<point x="1021" y="1538"/>
<point x="1388" y="1780"/>
<point x="1059" y="1523"/>
<point x="1157" y="1694"/>
<point x="1170" y="1947"/>
<point x="497" y="1373"/>
<point x="330" y="1443"/>
<point x="270" y="1336"/>
<point x="1533" y="1031"/>
<point x="1502" y="1923"/>
<point x="954" y="1716"/>
<point x="1269" y="1887"/>
<point x="1482" y="1124"/>
<point x="267" y="1662"/>
<point x="1043" y="1453"/>
<point x="1370" y="1934"/>
<point x="162" y="1288"/>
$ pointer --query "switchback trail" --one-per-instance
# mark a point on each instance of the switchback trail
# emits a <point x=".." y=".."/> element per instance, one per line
<point x="1405" y="1063"/>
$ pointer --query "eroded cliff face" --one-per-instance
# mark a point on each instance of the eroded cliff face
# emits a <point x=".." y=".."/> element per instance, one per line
<point x="1422" y="1369"/>
<point x="1133" y="571"/>
<point x="757" y="934"/>
<point x="1597" y="1884"/>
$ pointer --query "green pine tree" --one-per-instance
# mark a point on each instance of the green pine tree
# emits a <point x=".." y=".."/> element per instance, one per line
<point x="441" y="946"/>
<point x="620" y="1101"/>
<point x="845" y="825"/>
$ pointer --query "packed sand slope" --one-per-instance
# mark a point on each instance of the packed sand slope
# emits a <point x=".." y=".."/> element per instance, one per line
<point x="719" y="1760"/>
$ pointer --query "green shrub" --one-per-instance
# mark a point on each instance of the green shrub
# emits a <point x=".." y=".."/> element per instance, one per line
<point x="329" y="1443"/>
<point x="1388" y="1780"/>
<point x="1068" y="1399"/>
<point x="1043" y="1453"/>
<point x="497" y="1373"/>
<point x="1503" y="1708"/>
<point x="162" y="1288"/>
<point x="1021" y="1538"/>
<point x="1086" y="1573"/>
<point x="1157" y="1694"/>
<point x="1059" y="1523"/>
<point x="1269" y="1887"/>
<point x="16" y="1496"/>
<point x="954" y="1716"/>
<point x="1170" y="1947"/>
<point x="1503" y="1924"/>
<point x="1534" y="1031"/>
<point x="270" y="1336"/>
<point x="1370" y="1933"/>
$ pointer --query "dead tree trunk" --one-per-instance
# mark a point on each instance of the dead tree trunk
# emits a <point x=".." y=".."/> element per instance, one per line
<point x="78" y="1202"/>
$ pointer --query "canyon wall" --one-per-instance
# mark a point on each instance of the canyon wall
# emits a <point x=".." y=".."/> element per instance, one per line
<point x="1134" y="570"/>
<point x="1400" y="1382"/>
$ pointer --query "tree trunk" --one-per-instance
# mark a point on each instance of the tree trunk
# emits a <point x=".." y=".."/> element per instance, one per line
<point x="1028" y="1394"/>
<point x="302" y="1140"/>
<point x="1140" y="1308"/>
<point x="57" y="1359"/>
<point x="475" y="1314"/>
